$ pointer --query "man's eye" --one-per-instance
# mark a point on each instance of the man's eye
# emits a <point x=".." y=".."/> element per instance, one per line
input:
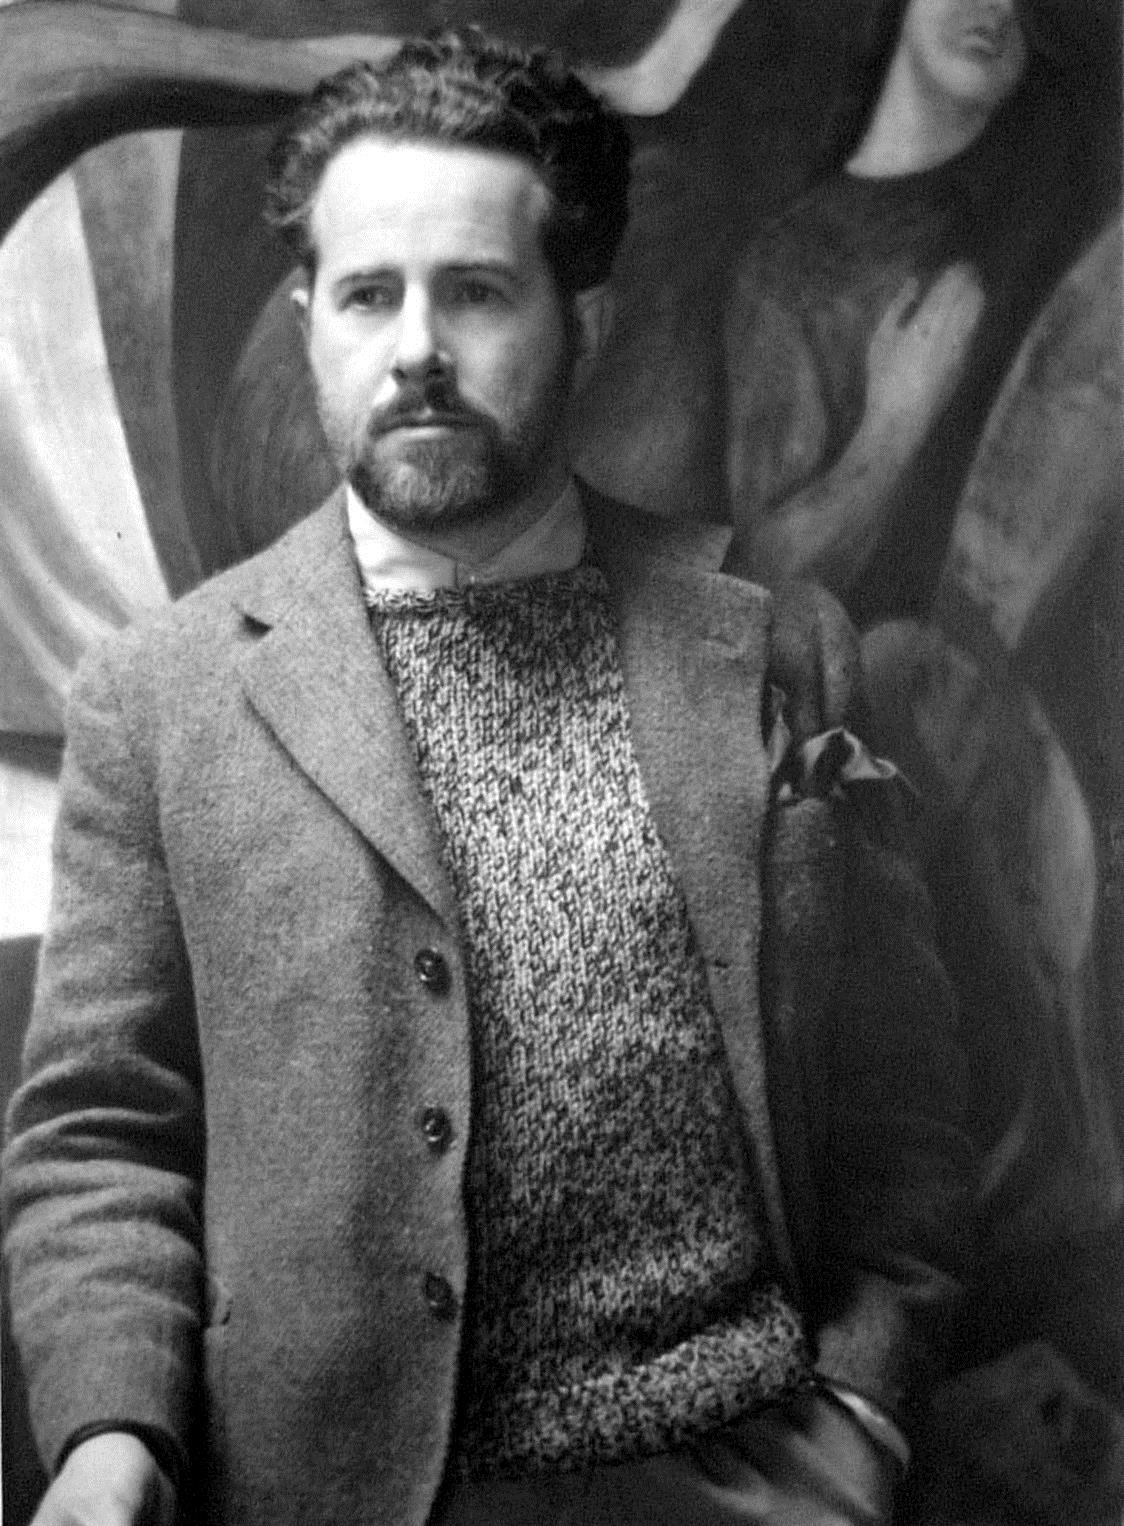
<point x="370" y="298"/>
<point x="476" y="294"/>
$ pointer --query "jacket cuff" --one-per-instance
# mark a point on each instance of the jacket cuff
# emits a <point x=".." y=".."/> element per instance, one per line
<point x="165" y="1449"/>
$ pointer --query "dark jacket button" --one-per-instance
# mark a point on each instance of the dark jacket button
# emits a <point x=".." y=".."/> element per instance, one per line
<point x="439" y="1296"/>
<point x="437" y="1128"/>
<point x="432" y="971"/>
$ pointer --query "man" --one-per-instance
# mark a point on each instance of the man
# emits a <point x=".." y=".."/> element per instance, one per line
<point x="396" y="1142"/>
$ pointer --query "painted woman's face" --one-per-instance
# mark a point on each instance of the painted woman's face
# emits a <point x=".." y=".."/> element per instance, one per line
<point x="972" y="52"/>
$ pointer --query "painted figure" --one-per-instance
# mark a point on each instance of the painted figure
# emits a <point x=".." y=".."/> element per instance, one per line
<point x="923" y="412"/>
<point x="873" y="322"/>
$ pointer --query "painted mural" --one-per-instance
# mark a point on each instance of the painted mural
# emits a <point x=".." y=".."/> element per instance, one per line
<point x="881" y="344"/>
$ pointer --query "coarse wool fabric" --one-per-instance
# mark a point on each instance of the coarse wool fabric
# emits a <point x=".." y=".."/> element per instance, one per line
<point x="621" y="1298"/>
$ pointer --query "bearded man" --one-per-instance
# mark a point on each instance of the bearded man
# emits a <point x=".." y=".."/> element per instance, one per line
<point x="482" y="1068"/>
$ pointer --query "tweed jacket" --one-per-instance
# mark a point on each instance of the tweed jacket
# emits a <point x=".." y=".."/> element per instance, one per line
<point x="226" y="1220"/>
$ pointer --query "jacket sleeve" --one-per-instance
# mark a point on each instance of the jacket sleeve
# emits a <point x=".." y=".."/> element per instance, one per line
<point x="863" y="1031"/>
<point x="103" y="1164"/>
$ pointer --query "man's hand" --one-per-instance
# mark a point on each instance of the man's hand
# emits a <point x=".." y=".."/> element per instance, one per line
<point x="808" y="1463"/>
<point x="111" y="1479"/>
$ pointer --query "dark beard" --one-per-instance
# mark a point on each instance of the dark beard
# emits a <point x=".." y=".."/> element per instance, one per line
<point x="459" y="481"/>
<point x="471" y="474"/>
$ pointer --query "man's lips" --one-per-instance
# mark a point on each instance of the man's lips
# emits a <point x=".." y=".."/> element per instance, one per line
<point x="430" y="419"/>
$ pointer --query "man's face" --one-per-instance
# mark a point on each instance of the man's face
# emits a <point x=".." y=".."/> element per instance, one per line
<point x="972" y="52"/>
<point x="439" y="345"/>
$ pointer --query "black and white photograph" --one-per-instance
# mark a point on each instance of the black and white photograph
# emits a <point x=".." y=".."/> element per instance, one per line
<point x="562" y="763"/>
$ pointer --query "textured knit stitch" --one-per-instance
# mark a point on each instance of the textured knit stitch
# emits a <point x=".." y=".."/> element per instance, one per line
<point x="621" y="1299"/>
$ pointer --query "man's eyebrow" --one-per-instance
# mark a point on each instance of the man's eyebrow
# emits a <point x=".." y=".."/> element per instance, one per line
<point x="503" y="272"/>
<point x="348" y="281"/>
<point x="386" y="271"/>
<point x="498" y="267"/>
<point x="367" y="273"/>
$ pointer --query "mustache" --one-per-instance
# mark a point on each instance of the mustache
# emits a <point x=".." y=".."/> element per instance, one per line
<point x="433" y="402"/>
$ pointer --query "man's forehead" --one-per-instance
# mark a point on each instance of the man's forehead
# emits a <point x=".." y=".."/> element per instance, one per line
<point x="382" y="191"/>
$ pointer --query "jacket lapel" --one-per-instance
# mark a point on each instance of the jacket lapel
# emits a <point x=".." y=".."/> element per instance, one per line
<point x="315" y="677"/>
<point x="694" y="648"/>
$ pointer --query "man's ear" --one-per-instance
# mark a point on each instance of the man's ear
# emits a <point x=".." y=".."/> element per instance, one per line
<point x="593" y="320"/>
<point x="300" y="295"/>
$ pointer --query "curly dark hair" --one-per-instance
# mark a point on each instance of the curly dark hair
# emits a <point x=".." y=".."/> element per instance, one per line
<point x="463" y="87"/>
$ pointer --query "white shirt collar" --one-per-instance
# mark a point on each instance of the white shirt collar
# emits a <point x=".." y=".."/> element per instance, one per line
<point x="389" y="562"/>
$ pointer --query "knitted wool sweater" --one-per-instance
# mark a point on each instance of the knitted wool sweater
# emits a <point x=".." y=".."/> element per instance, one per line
<point x="620" y="1295"/>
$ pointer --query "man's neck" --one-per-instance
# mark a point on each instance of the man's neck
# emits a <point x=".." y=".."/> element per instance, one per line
<point x="550" y="541"/>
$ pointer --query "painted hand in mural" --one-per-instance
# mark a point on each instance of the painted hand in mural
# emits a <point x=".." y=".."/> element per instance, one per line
<point x="828" y="530"/>
<point x="916" y="357"/>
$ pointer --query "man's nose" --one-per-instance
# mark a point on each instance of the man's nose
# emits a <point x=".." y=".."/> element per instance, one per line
<point x="417" y="349"/>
